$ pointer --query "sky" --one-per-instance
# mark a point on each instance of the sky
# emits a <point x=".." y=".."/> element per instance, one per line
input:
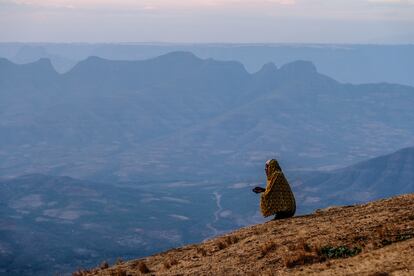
<point x="208" y="21"/>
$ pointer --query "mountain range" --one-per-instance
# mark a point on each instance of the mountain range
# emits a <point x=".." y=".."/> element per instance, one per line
<point x="353" y="63"/>
<point x="178" y="116"/>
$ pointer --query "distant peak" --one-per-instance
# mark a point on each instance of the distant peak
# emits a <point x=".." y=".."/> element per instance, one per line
<point x="300" y="66"/>
<point x="43" y="61"/>
<point x="5" y="61"/>
<point x="269" y="67"/>
<point x="178" y="55"/>
<point x="409" y="150"/>
<point x="94" y="58"/>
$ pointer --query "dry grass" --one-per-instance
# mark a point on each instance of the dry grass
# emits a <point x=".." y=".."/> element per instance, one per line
<point x="168" y="263"/>
<point x="119" y="261"/>
<point x="80" y="272"/>
<point x="380" y="274"/>
<point x="226" y="241"/>
<point x="301" y="258"/>
<point x="266" y="248"/>
<point x="202" y="251"/>
<point x="118" y="272"/>
<point x="221" y="245"/>
<point x="104" y="265"/>
<point x="391" y="233"/>
<point x="143" y="268"/>
<point x="370" y="239"/>
<point x="231" y="239"/>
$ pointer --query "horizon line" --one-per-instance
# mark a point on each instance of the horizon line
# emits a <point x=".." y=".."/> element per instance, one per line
<point x="160" y="43"/>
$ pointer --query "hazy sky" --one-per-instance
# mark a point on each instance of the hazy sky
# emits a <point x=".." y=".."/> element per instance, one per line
<point x="325" y="21"/>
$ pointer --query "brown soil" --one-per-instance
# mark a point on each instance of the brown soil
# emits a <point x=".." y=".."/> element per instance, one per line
<point x="379" y="237"/>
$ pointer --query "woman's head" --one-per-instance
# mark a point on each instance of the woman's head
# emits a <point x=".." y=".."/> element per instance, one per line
<point x="271" y="166"/>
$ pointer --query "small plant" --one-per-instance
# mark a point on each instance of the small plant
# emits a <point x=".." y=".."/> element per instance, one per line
<point x="301" y="258"/>
<point x="143" y="268"/>
<point x="304" y="246"/>
<point x="104" y="265"/>
<point x="119" y="261"/>
<point x="118" y="272"/>
<point x="380" y="274"/>
<point x="389" y="235"/>
<point x="221" y="245"/>
<point x="267" y="247"/>
<point x="169" y="263"/>
<point x="231" y="240"/>
<point x="331" y="252"/>
<point x="174" y="262"/>
<point x="79" y="272"/>
<point x="403" y="237"/>
<point x="385" y="242"/>
<point x="202" y="251"/>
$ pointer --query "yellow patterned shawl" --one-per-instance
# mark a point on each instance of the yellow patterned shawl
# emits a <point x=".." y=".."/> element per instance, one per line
<point x="278" y="196"/>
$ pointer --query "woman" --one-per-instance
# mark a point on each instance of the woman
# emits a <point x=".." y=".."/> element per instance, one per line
<point x="277" y="199"/>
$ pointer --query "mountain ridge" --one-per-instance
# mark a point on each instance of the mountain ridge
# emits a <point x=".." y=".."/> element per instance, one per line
<point x="364" y="181"/>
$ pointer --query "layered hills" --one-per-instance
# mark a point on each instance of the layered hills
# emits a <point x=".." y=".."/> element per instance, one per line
<point x="53" y="224"/>
<point x="117" y="120"/>
<point x="365" y="181"/>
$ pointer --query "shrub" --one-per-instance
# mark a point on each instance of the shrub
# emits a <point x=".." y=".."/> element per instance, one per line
<point x="403" y="237"/>
<point x="338" y="252"/>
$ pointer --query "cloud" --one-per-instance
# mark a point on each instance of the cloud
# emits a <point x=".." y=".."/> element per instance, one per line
<point x="401" y="2"/>
<point x="144" y="4"/>
<point x="331" y="21"/>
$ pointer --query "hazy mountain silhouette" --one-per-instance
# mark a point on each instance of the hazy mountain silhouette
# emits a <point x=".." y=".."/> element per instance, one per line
<point x="346" y="63"/>
<point x="178" y="114"/>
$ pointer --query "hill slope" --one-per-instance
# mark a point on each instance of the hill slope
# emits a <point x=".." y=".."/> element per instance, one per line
<point x="373" y="238"/>
<point x="372" y="179"/>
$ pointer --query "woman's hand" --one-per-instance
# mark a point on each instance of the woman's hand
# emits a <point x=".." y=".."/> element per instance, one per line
<point x="258" y="190"/>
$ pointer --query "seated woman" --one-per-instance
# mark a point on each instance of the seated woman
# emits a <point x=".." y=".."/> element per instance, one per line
<point x="277" y="199"/>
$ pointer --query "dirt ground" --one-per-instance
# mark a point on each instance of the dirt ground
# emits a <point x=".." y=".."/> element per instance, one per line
<point x="371" y="239"/>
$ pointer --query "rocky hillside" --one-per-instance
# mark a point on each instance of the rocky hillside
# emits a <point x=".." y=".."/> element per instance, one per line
<point x="372" y="239"/>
